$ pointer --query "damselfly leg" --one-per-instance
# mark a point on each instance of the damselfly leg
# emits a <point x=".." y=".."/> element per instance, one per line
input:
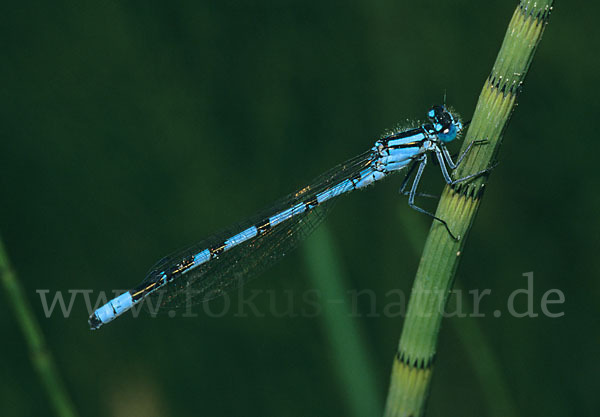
<point x="422" y="163"/>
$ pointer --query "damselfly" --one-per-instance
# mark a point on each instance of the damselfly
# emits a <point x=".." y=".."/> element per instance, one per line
<point x="230" y="258"/>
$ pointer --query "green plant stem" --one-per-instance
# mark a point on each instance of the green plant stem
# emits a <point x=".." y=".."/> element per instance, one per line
<point x="481" y="354"/>
<point x="413" y="364"/>
<point x="40" y="356"/>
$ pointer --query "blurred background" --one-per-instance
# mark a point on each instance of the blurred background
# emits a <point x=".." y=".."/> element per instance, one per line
<point x="132" y="129"/>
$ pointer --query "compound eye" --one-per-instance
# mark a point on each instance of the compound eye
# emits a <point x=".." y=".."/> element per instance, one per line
<point x="436" y="114"/>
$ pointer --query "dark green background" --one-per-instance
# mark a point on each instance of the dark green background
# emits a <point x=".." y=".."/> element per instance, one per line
<point x="129" y="130"/>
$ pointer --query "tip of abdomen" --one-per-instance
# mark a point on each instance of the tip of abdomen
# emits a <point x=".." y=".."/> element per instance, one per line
<point x="94" y="322"/>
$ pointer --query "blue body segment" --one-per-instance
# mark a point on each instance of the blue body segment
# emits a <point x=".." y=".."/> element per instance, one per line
<point x="210" y="266"/>
<point x="241" y="237"/>
<point x="114" y="307"/>
<point x="334" y="191"/>
<point x="202" y="257"/>
<point x="287" y="214"/>
<point x="368" y="177"/>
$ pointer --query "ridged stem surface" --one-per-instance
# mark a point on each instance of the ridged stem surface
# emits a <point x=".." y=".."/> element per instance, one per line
<point x="413" y="365"/>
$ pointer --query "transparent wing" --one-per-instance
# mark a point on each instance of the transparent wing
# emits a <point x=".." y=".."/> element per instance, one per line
<point x="236" y="266"/>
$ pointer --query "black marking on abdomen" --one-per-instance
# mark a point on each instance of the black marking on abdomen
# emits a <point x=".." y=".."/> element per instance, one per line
<point x="263" y="226"/>
<point x="355" y="179"/>
<point x="216" y="250"/>
<point x="180" y="267"/>
<point x="141" y="291"/>
<point x="310" y="204"/>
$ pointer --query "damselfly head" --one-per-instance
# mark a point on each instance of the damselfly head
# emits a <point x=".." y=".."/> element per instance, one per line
<point x="446" y="126"/>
